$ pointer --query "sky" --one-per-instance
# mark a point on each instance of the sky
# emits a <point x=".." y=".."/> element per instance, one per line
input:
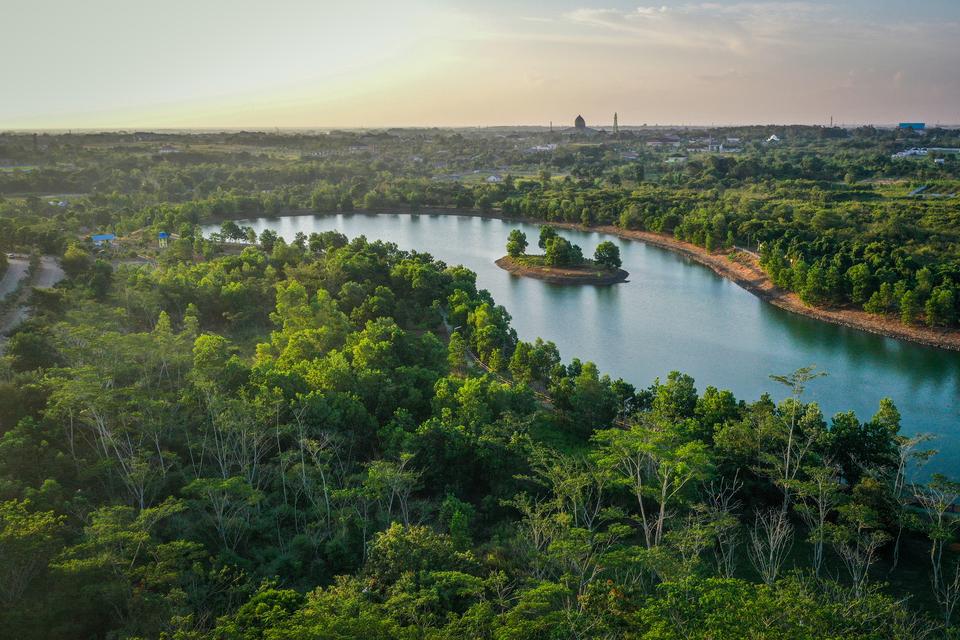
<point x="126" y="64"/>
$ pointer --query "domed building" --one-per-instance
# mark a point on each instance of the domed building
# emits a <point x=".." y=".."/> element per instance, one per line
<point x="580" y="128"/>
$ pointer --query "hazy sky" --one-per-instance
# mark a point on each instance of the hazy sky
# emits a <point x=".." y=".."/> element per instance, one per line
<point x="302" y="63"/>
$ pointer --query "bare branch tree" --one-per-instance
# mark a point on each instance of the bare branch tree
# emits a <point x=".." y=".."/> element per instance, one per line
<point x="722" y="506"/>
<point x="819" y="497"/>
<point x="789" y="459"/>
<point x="770" y="542"/>
<point x="937" y="498"/>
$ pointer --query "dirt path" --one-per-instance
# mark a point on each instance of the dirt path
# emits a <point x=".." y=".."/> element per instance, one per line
<point x="47" y="274"/>
<point x="16" y="271"/>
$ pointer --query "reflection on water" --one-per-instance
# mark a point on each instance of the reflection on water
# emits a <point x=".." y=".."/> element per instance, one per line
<point x="676" y="314"/>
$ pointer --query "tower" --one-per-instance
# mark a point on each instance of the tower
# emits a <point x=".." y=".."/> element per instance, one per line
<point x="616" y="125"/>
<point x="580" y="123"/>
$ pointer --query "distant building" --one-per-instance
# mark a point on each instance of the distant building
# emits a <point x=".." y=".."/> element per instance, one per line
<point x="102" y="239"/>
<point x="915" y="151"/>
<point x="165" y="149"/>
<point x="494" y="179"/>
<point x="580" y="128"/>
<point x="663" y="142"/>
<point x="543" y="147"/>
<point x="913" y="126"/>
<point x="773" y="139"/>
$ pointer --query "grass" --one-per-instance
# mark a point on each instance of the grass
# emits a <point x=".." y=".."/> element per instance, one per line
<point x="540" y="261"/>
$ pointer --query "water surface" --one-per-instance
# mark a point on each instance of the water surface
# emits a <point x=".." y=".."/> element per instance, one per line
<point x="675" y="314"/>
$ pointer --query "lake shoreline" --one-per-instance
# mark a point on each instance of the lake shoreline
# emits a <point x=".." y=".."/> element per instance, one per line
<point x="739" y="267"/>
<point x="563" y="276"/>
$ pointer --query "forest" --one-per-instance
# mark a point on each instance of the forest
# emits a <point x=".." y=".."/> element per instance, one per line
<point x="832" y="215"/>
<point x="252" y="438"/>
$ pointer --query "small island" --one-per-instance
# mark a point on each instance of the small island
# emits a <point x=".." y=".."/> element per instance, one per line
<point x="562" y="261"/>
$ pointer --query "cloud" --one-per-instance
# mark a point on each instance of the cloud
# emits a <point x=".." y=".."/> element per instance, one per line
<point x="740" y="28"/>
<point x="728" y="75"/>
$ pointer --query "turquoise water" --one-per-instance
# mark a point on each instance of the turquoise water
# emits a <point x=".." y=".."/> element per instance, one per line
<point x="675" y="314"/>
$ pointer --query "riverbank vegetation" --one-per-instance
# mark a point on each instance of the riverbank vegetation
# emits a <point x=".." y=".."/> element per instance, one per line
<point x="250" y="437"/>
<point x="835" y="217"/>
<point x="296" y="443"/>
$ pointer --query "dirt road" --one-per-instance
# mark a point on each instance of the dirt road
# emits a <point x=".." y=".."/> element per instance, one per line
<point x="47" y="274"/>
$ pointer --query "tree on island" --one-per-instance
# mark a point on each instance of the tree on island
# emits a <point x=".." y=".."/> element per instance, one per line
<point x="562" y="253"/>
<point x="516" y="243"/>
<point x="607" y="255"/>
<point x="546" y="234"/>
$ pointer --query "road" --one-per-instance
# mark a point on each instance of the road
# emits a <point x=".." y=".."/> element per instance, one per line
<point x="16" y="271"/>
<point x="48" y="273"/>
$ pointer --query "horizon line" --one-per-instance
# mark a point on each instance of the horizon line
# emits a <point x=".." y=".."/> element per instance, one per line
<point x="562" y="127"/>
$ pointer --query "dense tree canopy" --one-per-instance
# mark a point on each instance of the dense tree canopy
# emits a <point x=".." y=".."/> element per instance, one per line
<point x="256" y="436"/>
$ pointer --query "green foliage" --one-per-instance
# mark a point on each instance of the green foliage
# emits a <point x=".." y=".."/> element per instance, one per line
<point x="547" y="233"/>
<point x="516" y="243"/>
<point x="607" y="255"/>
<point x="274" y="441"/>
<point x="75" y="261"/>
<point x="560" y="252"/>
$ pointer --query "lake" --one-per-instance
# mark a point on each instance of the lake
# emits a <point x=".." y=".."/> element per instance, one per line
<point x="675" y="314"/>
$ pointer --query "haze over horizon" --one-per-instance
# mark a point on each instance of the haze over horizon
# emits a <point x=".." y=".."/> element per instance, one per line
<point x="371" y="63"/>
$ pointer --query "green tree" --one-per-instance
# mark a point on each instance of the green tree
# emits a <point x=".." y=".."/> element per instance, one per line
<point x="562" y="253"/>
<point x="522" y="363"/>
<point x="882" y="300"/>
<point x="101" y="278"/>
<point x="940" y="307"/>
<point x="607" y="254"/>
<point x="547" y="233"/>
<point x="457" y="352"/>
<point x="658" y="464"/>
<point x="861" y="282"/>
<point x="268" y="238"/>
<point x="909" y="307"/>
<point x="28" y="541"/>
<point x="516" y="243"/>
<point x="75" y="261"/>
